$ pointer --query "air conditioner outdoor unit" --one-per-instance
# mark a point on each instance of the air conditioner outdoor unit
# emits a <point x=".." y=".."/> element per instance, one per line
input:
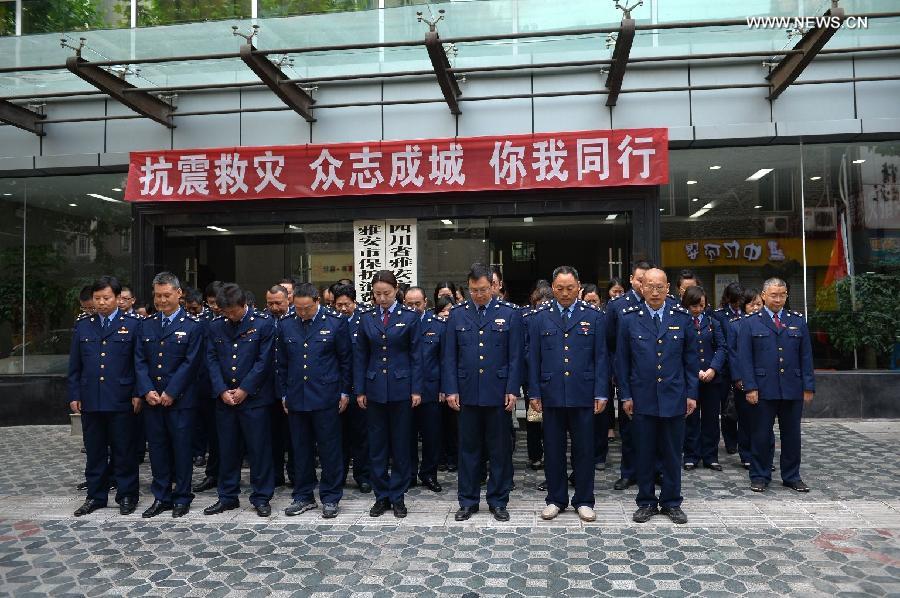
<point x="776" y="224"/>
<point x="820" y="219"/>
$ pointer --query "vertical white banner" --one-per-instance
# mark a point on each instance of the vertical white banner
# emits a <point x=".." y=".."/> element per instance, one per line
<point x="401" y="249"/>
<point x="368" y="255"/>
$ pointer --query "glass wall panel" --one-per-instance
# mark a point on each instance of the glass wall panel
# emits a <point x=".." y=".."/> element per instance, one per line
<point x="12" y="229"/>
<point x="49" y="16"/>
<point x="853" y="207"/>
<point x="287" y="8"/>
<point x="7" y="17"/>
<point x="448" y="248"/>
<point x="169" y="12"/>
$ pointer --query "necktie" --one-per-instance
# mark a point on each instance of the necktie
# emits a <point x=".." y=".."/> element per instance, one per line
<point x="657" y="321"/>
<point x="165" y="322"/>
<point x="103" y="322"/>
<point x="384" y="317"/>
<point x="777" y="321"/>
<point x="481" y="311"/>
<point x="697" y="322"/>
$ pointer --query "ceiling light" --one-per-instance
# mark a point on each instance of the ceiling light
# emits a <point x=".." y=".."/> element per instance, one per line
<point x="116" y="189"/>
<point x="662" y="209"/>
<point x="708" y="206"/>
<point x="860" y="161"/>
<point x="692" y="182"/>
<point x="699" y="212"/>
<point x="696" y="199"/>
<point x="104" y="198"/>
<point x="528" y="219"/>
<point x="759" y="174"/>
<point x="715" y="167"/>
<point x="757" y="207"/>
<point x="294" y="227"/>
<point x="814" y="178"/>
<point x="611" y="216"/>
<point x="218" y="229"/>
<point x="74" y="205"/>
<point x="7" y="194"/>
<point x="445" y="221"/>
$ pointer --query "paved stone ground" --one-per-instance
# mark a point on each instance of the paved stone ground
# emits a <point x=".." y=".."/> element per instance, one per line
<point x="843" y="538"/>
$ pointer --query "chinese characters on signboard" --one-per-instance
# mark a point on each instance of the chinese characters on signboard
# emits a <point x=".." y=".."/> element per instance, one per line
<point x="749" y="251"/>
<point x="546" y="160"/>
<point x="384" y="245"/>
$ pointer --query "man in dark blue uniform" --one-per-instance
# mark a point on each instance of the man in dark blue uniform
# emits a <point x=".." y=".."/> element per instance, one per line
<point x="167" y="358"/>
<point x="656" y="368"/>
<point x="355" y="444"/>
<point x="614" y="311"/>
<point x="732" y="299"/>
<point x="240" y="356"/>
<point x="427" y="416"/>
<point x="568" y="382"/>
<point x="101" y="389"/>
<point x="279" y="305"/>
<point x="206" y="405"/>
<point x="482" y="365"/>
<point x="313" y="373"/>
<point x="777" y="373"/>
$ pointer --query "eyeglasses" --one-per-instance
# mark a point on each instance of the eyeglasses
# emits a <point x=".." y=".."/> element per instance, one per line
<point x="654" y="288"/>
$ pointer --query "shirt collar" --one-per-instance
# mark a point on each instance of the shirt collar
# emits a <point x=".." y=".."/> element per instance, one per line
<point x="111" y="317"/>
<point x="486" y="305"/>
<point x="315" y="315"/>
<point x="659" y="311"/>
<point x="635" y="295"/>
<point x="390" y="309"/>
<point x="172" y="317"/>
<point x="570" y="309"/>
<point x="772" y="313"/>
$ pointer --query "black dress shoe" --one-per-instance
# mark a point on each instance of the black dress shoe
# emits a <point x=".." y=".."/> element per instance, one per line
<point x="379" y="508"/>
<point x="464" y="513"/>
<point x="500" y="513"/>
<point x="644" y="514"/>
<point x="156" y="508"/>
<point x="713" y="466"/>
<point x="746" y="466"/>
<point x="263" y="510"/>
<point x="208" y="483"/>
<point x="433" y="485"/>
<point x="690" y="466"/>
<point x="798" y="485"/>
<point x="82" y="486"/>
<point x="658" y="479"/>
<point x="758" y="485"/>
<point x="365" y="487"/>
<point x="180" y="510"/>
<point x="127" y="506"/>
<point x="542" y="486"/>
<point x="400" y="509"/>
<point x="675" y="514"/>
<point x="219" y="507"/>
<point x="731" y="450"/>
<point x="89" y="506"/>
<point x="623" y="483"/>
<point x="199" y="461"/>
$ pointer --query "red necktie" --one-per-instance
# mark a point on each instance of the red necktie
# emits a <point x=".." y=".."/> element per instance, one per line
<point x="697" y="322"/>
<point x="777" y="321"/>
<point x="384" y="318"/>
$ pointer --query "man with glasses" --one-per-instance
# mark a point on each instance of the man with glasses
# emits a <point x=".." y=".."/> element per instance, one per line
<point x="481" y="376"/>
<point x="776" y="369"/>
<point x="657" y="372"/>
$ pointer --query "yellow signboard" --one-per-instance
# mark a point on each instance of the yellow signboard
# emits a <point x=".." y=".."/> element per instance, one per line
<point x="755" y="252"/>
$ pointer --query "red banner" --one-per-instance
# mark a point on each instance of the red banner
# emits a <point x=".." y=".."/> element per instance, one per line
<point x="540" y="161"/>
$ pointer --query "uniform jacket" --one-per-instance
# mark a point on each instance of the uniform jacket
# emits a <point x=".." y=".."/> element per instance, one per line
<point x="101" y="363"/>
<point x="431" y="331"/>
<point x="712" y="350"/>
<point x="169" y="359"/>
<point x="241" y="356"/>
<point x="776" y="362"/>
<point x="387" y="364"/>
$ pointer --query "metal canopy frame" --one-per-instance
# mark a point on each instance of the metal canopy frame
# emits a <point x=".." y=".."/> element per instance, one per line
<point x="289" y="90"/>
<point x="791" y="66"/>
<point x="21" y="117"/>
<point x="294" y="96"/>
<point x="140" y="101"/>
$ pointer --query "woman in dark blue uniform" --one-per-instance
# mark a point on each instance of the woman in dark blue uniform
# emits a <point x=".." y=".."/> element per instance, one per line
<point x="387" y="372"/>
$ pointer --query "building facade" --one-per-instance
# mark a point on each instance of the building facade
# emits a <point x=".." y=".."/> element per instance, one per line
<point x="797" y="180"/>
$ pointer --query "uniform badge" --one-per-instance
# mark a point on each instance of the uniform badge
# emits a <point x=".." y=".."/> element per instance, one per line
<point x="584" y="323"/>
<point x="499" y="321"/>
<point x="399" y="324"/>
<point x="181" y="333"/>
<point x="122" y="330"/>
<point x="324" y="332"/>
<point x="674" y="327"/>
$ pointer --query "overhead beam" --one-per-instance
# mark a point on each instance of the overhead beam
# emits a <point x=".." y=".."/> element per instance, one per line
<point x="272" y="77"/>
<point x="23" y="118"/>
<point x="791" y="66"/>
<point x="140" y="101"/>
<point x="620" y="55"/>
<point x="441" y="65"/>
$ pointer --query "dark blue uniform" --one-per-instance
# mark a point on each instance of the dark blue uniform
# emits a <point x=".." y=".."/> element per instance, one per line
<point x="427" y="416"/>
<point x="614" y="310"/>
<point x="354" y="425"/>
<point x="482" y="363"/>
<point x="387" y="368"/>
<point x="167" y="360"/>
<point x="656" y="368"/>
<point x="701" y="437"/>
<point x="568" y="370"/>
<point x="724" y="315"/>
<point x="281" y="442"/>
<point x="241" y="355"/>
<point x="313" y="367"/>
<point x="777" y="362"/>
<point x="101" y="377"/>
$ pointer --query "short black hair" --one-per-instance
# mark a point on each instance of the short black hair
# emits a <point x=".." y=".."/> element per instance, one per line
<point x="442" y="302"/>
<point x="230" y="295"/>
<point x="641" y="265"/>
<point x="345" y="281"/>
<point x="287" y="280"/>
<point x="444" y="284"/>
<point x="559" y="270"/>
<point x="278" y="289"/>
<point x="749" y="295"/>
<point x="479" y="271"/>
<point x="384" y="276"/>
<point x="107" y="282"/>
<point x="687" y="274"/>
<point x="251" y="298"/>
<point x="213" y="288"/>
<point x="733" y="293"/>
<point x="344" y="290"/>
<point x="192" y="295"/>
<point x="692" y="296"/>
<point x="86" y="294"/>
<point x="495" y="269"/>
<point x="420" y="289"/>
<point x="307" y="289"/>
<point x="615" y="281"/>
<point x="590" y="287"/>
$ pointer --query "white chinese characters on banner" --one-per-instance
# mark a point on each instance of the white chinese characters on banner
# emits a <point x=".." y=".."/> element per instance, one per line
<point x="384" y="245"/>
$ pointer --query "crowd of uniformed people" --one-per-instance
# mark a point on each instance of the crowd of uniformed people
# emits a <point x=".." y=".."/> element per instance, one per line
<point x="394" y="393"/>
